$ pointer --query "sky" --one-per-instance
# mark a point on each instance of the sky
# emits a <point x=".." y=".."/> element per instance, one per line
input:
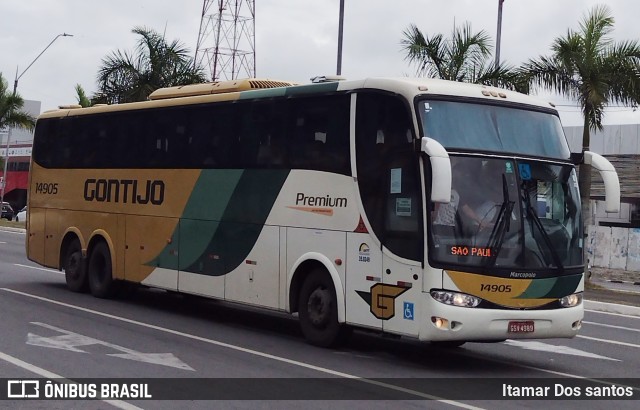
<point x="295" y="39"/>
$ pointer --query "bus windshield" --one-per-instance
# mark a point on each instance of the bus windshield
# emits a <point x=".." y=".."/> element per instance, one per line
<point x="470" y="126"/>
<point x="519" y="215"/>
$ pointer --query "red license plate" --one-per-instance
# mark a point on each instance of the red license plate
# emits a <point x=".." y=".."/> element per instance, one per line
<point x="521" y="326"/>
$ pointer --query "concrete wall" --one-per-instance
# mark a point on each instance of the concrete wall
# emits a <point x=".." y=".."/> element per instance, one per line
<point x="614" y="248"/>
<point x="613" y="139"/>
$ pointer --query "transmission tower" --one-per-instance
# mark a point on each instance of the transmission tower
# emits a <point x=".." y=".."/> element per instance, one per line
<point x="226" y="42"/>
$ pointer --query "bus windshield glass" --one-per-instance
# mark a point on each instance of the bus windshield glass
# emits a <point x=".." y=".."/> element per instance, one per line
<point x="513" y="214"/>
<point x="483" y="127"/>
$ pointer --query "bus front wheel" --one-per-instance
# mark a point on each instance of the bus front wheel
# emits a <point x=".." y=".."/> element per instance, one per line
<point x="318" y="311"/>
<point x="75" y="272"/>
<point x="101" y="282"/>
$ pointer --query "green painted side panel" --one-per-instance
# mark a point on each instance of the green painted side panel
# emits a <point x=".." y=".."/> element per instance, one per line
<point x="552" y="288"/>
<point x="241" y="224"/>
<point x="212" y="193"/>
<point x="208" y="202"/>
<point x="196" y="236"/>
<point x="538" y="288"/>
<point x="266" y="93"/>
<point x="565" y="285"/>
<point x="290" y="91"/>
<point x="312" y="89"/>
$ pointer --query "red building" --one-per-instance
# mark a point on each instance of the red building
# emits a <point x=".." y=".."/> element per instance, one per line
<point x="17" y="181"/>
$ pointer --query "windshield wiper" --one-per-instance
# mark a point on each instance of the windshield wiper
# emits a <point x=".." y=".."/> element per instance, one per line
<point x="545" y="236"/>
<point x="502" y="225"/>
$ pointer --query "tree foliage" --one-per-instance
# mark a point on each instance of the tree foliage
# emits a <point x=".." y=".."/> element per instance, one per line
<point x="155" y="63"/>
<point x="465" y="57"/>
<point x="11" y="114"/>
<point x="589" y="67"/>
<point x="81" y="96"/>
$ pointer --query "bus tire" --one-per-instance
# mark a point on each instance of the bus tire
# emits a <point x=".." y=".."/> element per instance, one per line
<point x="101" y="282"/>
<point x="318" y="311"/>
<point x="75" y="268"/>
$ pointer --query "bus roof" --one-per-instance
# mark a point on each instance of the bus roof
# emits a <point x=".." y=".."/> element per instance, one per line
<point x="248" y="89"/>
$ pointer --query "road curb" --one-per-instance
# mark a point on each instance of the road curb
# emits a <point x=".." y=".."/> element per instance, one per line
<point x="612" y="308"/>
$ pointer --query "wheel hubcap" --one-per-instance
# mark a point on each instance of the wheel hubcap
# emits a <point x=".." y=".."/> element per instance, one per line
<point x="318" y="306"/>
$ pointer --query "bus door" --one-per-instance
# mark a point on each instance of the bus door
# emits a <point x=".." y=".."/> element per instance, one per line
<point x="403" y="246"/>
<point x="388" y="182"/>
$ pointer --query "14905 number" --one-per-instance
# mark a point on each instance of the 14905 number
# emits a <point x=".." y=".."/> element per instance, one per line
<point x="47" y="188"/>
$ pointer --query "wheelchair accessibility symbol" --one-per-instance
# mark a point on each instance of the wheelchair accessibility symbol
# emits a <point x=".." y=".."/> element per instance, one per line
<point x="408" y="310"/>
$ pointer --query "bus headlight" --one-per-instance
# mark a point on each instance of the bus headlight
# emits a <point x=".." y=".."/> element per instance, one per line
<point x="571" y="300"/>
<point x="455" y="298"/>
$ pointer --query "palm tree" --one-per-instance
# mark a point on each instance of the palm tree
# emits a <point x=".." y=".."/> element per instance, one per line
<point x="588" y="66"/>
<point x="155" y="63"/>
<point x="11" y="115"/>
<point x="83" y="100"/>
<point x="465" y="57"/>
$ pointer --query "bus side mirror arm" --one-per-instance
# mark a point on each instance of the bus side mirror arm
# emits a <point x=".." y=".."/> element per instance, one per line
<point x="440" y="170"/>
<point x="609" y="177"/>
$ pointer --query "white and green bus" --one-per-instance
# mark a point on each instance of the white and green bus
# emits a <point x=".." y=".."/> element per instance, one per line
<point x="442" y="211"/>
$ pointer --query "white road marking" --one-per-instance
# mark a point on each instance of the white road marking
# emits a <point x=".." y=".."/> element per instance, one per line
<point x="250" y="351"/>
<point x="611" y="326"/>
<point x="545" y="347"/>
<point x="613" y="342"/>
<point x="2" y="243"/>
<point x="13" y="232"/>
<point x="70" y="341"/>
<point x="612" y="313"/>
<point x="50" y="375"/>
<point x="37" y="268"/>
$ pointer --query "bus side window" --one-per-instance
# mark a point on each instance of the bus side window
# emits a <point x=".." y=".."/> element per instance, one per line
<point x="319" y="133"/>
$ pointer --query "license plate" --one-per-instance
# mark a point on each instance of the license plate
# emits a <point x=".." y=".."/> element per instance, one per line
<point x="523" y="326"/>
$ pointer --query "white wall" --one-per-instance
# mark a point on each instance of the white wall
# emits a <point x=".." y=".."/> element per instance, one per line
<point x="614" y="248"/>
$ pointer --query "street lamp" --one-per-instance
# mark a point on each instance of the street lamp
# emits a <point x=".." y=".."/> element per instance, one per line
<point x="15" y="88"/>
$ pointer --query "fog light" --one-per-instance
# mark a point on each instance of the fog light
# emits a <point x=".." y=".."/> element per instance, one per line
<point x="571" y="300"/>
<point x="440" y="323"/>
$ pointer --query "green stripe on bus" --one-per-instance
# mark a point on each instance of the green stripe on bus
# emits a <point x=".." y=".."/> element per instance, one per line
<point x="201" y="216"/>
<point x="244" y="216"/>
<point x="565" y="285"/>
<point x="266" y="93"/>
<point x="552" y="287"/>
<point x="312" y="88"/>
<point x="223" y="219"/>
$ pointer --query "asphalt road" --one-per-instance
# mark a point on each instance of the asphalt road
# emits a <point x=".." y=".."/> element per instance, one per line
<point x="47" y="331"/>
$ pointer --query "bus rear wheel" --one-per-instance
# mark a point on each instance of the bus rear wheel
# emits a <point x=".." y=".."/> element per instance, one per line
<point x="101" y="282"/>
<point x="75" y="269"/>
<point x="318" y="311"/>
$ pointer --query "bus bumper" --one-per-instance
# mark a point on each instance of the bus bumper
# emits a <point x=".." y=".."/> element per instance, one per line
<point x="445" y="322"/>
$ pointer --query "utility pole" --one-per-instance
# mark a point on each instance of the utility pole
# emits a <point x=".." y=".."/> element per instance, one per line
<point x="499" y="34"/>
<point x="340" y="30"/>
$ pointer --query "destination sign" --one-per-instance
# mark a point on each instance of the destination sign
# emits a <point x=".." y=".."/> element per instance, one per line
<point x="482" y="252"/>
